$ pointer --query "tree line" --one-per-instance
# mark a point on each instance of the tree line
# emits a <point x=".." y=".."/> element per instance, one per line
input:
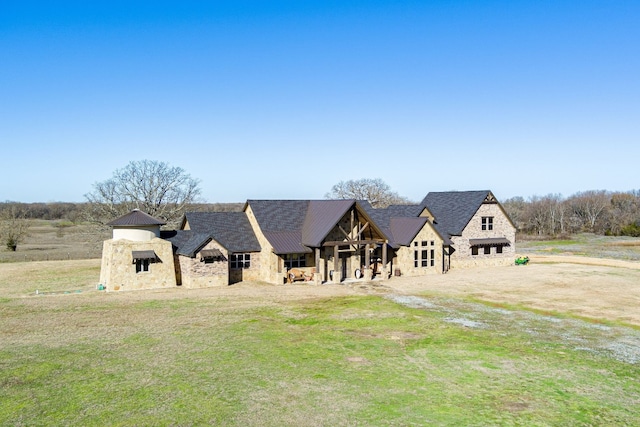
<point x="166" y="192"/>
<point x="596" y="211"/>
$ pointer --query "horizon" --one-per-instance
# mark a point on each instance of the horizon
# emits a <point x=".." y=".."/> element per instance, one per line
<point x="409" y="201"/>
<point x="283" y="100"/>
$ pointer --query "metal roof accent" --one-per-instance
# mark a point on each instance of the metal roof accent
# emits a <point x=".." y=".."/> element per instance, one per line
<point x="136" y="218"/>
<point x="286" y="242"/>
<point x="404" y="230"/>
<point x="143" y="255"/>
<point x="493" y="241"/>
<point x="322" y="216"/>
<point x="401" y="222"/>
<point x="210" y="253"/>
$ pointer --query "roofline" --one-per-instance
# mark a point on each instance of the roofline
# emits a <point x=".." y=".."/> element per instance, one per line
<point x="371" y="221"/>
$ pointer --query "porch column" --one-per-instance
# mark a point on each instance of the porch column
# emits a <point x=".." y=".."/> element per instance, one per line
<point x="336" y="264"/>
<point x="367" y="273"/>
<point x="384" y="260"/>
<point x="367" y="256"/>
<point x="318" y="275"/>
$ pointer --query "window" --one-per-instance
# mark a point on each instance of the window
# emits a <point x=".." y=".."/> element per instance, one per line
<point x="474" y="250"/>
<point x="142" y="265"/>
<point x="499" y="249"/>
<point x="142" y="259"/>
<point x="487" y="250"/>
<point x="240" y="260"/>
<point x="421" y="257"/>
<point x="295" y="260"/>
<point x="487" y="223"/>
<point x="433" y="257"/>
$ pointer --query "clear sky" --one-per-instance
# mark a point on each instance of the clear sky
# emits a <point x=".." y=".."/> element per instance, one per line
<point x="283" y="99"/>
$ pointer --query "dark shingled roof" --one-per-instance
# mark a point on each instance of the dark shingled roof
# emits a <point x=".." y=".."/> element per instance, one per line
<point x="296" y="226"/>
<point x="188" y="242"/>
<point x="279" y="215"/>
<point x="407" y="211"/>
<point x="231" y="229"/>
<point x="454" y="209"/>
<point x="136" y="218"/>
<point x="281" y="222"/>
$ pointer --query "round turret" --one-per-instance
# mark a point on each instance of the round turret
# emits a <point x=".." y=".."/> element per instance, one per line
<point x="136" y="226"/>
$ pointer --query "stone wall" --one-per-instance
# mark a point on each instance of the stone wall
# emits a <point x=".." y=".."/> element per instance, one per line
<point x="118" y="271"/>
<point x="405" y="256"/>
<point x="266" y="266"/>
<point x="253" y="273"/>
<point x="502" y="227"/>
<point x="198" y="273"/>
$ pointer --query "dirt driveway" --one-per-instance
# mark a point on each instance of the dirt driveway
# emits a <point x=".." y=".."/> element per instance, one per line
<point x="597" y="288"/>
<point x="588" y="287"/>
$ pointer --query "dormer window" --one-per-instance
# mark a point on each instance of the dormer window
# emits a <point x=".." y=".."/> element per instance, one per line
<point x="487" y="223"/>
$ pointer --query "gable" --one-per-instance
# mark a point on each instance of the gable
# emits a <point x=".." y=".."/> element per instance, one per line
<point x="454" y="209"/>
<point x="405" y="229"/>
<point x="426" y="213"/>
<point x="322" y="216"/>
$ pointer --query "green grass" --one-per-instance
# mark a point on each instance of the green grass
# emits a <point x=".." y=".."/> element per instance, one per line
<point x="585" y="244"/>
<point x="362" y="360"/>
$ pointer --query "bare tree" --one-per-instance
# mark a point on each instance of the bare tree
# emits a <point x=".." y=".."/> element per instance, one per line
<point x="376" y="191"/>
<point x="516" y="209"/>
<point x="537" y="215"/>
<point x="14" y="226"/>
<point x="161" y="190"/>
<point x="625" y="210"/>
<point x="590" y="206"/>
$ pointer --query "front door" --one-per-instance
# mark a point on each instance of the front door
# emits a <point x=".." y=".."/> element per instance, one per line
<point x="345" y="265"/>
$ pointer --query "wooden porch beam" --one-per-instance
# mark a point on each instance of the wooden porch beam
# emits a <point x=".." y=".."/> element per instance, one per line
<point x="352" y="242"/>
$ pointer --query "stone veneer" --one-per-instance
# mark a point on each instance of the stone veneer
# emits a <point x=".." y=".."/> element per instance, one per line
<point x="266" y="264"/>
<point x="404" y="260"/>
<point x="118" y="271"/>
<point x="502" y="227"/>
<point x="196" y="273"/>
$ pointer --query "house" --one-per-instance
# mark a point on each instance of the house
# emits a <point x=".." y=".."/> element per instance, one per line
<point x="318" y="241"/>
<point x="478" y="228"/>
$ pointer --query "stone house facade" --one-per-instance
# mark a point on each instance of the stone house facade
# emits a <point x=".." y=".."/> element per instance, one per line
<point x="479" y="229"/>
<point x="136" y="257"/>
<point x="319" y="241"/>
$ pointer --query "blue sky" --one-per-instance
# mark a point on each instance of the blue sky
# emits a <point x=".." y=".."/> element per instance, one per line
<point x="283" y="99"/>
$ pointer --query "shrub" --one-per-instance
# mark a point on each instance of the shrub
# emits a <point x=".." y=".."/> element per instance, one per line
<point x="632" y="230"/>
